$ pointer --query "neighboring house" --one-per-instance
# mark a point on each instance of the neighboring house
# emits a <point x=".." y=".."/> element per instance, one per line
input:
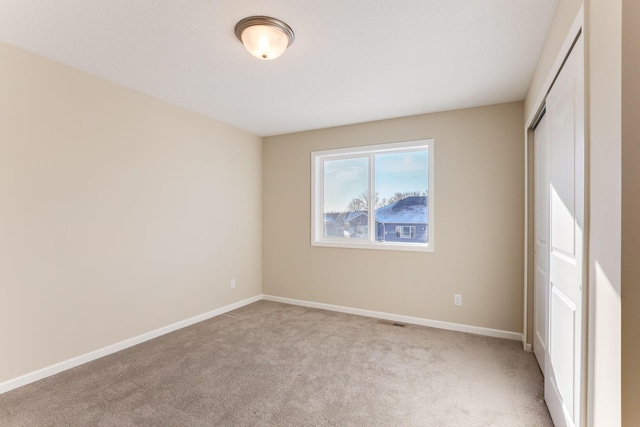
<point x="356" y="224"/>
<point x="333" y="224"/>
<point x="403" y="221"/>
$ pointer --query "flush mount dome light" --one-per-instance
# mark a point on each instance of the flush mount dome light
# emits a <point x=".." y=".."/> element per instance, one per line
<point x="264" y="37"/>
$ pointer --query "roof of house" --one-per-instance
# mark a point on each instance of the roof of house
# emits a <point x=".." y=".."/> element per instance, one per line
<point x="331" y="216"/>
<point x="412" y="209"/>
<point x="350" y="216"/>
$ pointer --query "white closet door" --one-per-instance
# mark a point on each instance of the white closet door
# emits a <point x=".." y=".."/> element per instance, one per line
<point x="541" y="279"/>
<point x="564" y="361"/>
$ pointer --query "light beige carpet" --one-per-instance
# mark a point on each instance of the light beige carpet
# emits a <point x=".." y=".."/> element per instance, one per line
<point x="271" y="364"/>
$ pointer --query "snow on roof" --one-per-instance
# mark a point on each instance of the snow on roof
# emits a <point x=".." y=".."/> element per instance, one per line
<point x="408" y="210"/>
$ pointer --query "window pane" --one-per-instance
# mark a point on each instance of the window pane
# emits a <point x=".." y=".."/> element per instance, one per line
<point x="402" y="185"/>
<point x="346" y="206"/>
<point x="374" y="197"/>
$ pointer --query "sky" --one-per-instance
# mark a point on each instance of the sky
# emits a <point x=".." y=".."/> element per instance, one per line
<point x="394" y="172"/>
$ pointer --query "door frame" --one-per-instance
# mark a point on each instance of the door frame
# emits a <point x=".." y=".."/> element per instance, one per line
<point x="577" y="28"/>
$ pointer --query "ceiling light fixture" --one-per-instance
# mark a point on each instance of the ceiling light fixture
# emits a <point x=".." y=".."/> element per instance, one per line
<point x="264" y="37"/>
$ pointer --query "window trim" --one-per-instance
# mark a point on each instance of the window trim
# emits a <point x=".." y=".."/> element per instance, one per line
<point x="317" y="193"/>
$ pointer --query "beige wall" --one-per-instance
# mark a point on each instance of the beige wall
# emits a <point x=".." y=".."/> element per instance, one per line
<point x="478" y="223"/>
<point x="604" y="89"/>
<point x="630" y="212"/>
<point x="119" y="214"/>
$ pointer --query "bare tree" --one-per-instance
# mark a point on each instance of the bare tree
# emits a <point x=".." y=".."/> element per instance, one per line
<point x="360" y="203"/>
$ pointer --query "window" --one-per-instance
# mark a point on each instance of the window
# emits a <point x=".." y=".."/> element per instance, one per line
<point x="405" y="231"/>
<point x="374" y="197"/>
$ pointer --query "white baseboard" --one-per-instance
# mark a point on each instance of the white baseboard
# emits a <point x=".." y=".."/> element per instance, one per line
<point x="105" y="351"/>
<point x="478" y="330"/>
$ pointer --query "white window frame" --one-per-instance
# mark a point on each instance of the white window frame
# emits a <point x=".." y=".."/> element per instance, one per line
<point x="317" y="194"/>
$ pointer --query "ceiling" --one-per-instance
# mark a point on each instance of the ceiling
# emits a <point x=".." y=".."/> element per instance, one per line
<point x="352" y="61"/>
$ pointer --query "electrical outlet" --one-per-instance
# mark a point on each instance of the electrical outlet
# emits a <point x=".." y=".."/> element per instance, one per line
<point x="457" y="299"/>
<point x="233" y="283"/>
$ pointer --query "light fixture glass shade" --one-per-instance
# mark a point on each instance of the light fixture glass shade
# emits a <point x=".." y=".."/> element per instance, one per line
<point x="264" y="37"/>
<point x="265" y="42"/>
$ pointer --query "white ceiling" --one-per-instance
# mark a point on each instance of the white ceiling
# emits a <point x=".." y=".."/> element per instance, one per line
<point x="352" y="61"/>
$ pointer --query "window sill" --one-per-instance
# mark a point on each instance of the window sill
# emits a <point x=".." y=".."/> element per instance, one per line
<point x="387" y="246"/>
